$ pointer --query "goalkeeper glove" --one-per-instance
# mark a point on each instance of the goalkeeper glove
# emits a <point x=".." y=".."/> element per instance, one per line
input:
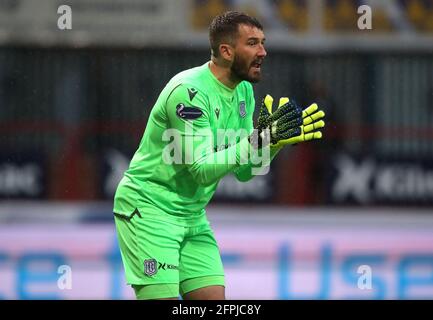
<point x="281" y="125"/>
<point x="288" y="124"/>
<point x="311" y="121"/>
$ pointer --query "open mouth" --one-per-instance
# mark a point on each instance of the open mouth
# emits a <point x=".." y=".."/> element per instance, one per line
<point x="256" y="65"/>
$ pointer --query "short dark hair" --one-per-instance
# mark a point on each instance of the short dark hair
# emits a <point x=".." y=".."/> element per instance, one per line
<point x="224" y="28"/>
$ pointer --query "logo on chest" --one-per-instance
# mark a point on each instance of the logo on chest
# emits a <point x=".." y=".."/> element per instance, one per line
<point x="242" y="109"/>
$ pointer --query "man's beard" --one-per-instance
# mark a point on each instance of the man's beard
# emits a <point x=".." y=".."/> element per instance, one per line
<point x="240" y="70"/>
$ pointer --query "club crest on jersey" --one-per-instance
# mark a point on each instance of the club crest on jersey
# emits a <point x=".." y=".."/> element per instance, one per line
<point x="242" y="109"/>
<point x="188" y="113"/>
<point x="192" y="92"/>
<point x="150" y="267"/>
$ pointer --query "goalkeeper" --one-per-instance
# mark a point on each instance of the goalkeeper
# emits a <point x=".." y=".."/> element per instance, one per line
<point x="167" y="246"/>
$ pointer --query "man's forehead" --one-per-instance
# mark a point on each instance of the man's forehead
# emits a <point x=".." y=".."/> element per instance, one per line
<point x="248" y="31"/>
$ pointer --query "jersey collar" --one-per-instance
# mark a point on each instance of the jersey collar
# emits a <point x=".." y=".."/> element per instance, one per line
<point x="222" y="88"/>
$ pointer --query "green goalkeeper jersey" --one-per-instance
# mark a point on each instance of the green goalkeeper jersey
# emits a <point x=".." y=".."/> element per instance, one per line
<point x="185" y="149"/>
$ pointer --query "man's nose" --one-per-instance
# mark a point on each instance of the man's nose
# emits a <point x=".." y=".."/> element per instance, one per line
<point x="262" y="52"/>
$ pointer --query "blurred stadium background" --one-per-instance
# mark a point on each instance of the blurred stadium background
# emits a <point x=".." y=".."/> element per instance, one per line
<point x="74" y="104"/>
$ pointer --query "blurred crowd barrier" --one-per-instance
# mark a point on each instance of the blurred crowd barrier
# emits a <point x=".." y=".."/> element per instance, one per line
<point x="70" y="121"/>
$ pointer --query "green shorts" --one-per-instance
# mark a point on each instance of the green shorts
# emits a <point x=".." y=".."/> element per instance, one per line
<point x="163" y="259"/>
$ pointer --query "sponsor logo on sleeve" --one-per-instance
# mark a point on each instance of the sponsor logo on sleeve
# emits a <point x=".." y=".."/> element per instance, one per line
<point x="188" y="113"/>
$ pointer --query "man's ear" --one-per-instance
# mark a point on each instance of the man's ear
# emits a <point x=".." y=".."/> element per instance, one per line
<point x="226" y="51"/>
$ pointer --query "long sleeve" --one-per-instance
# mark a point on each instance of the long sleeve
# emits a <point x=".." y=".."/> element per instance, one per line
<point x="245" y="173"/>
<point x="191" y="139"/>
